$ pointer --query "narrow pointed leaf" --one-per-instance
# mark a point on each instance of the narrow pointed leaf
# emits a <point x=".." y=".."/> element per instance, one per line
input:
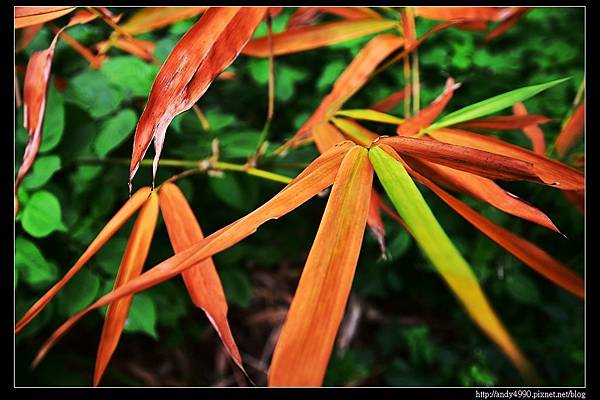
<point x="505" y="122"/>
<point x="326" y="136"/>
<point x="527" y="252"/>
<point x="302" y="352"/>
<point x="493" y="104"/>
<point x="202" y="281"/>
<point x="317" y="176"/>
<point x="468" y="13"/>
<point x="352" y="79"/>
<point x="532" y="131"/>
<point x="28" y="16"/>
<point x="209" y="47"/>
<point x="483" y="163"/>
<point x="390" y="101"/>
<point x="355" y="131"/>
<point x="307" y="15"/>
<point x="551" y="172"/>
<point x="482" y="189"/>
<point x="139" y="48"/>
<point x="370" y="115"/>
<point x="440" y="251"/>
<point x="571" y="132"/>
<point x="131" y="206"/>
<point x="313" y="37"/>
<point x="151" y="18"/>
<point x="426" y="116"/>
<point x="131" y="266"/>
<point x="575" y="197"/>
<point x="508" y="20"/>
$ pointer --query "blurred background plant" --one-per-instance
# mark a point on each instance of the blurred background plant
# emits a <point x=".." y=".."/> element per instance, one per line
<point x="401" y="328"/>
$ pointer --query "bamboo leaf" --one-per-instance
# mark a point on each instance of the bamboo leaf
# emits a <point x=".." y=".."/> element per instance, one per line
<point x="532" y="131"/>
<point x="493" y="104"/>
<point x="551" y="172"/>
<point x="317" y="176"/>
<point x="313" y="37"/>
<point x="202" y="281"/>
<point x="571" y="132"/>
<point x="131" y="266"/>
<point x="28" y="16"/>
<point x="505" y="122"/>
<point x="467" y="13"/>
<point x="105" y="234"/>
<point x="209" y="47"/>
<point x="440" y="251"/>
<point x="370" y="115"/>
<point x="307" y="337"/>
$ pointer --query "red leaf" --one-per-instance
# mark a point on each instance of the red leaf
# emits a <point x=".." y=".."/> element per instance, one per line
<point x="551" y="172"/>
<point x="209" y="47"/>
<point x="509" y="18"/>
<point x="467" y="13"/>
<point x="533" y="132"/>
<point x="391" y="101"/>
<point x="505" y="122"/>
<point x="426" y="116"/>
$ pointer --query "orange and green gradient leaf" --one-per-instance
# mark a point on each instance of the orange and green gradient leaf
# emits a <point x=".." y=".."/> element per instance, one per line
<point x="440" y="251"/>
<point x="307" y="337"/>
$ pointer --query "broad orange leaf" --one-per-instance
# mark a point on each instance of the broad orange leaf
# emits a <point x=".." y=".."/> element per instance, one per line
<point x="532" y="131"/>
<point x="467" y="13"/>
<point x="28" y="16"/>
<point x="524" y="250"/>
<point x="317" y="176"/>
<point x="551" y="172"/>
<point x="352" y="79"/>
<point x="483" y="163"/>
<point x="209" y="47"/>
<point x="202" y="281"/>
<point x="571" y="132"/>
<point x="307" y="337"/>
<point x="505" y="122"/>
<point x="313" y="37"/>
<point x="131" y="266"/>
<point x="426" y="116"/>
<point x="131" y="206"/>
<point x="481" y="188"/>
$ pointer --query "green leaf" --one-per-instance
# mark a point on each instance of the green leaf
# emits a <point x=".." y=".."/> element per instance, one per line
<point x="54" y="120"/>
<point x="330" y="74"/>
<point x="219" y="121"/>
<point x="109" y="257"/>
<point x="42" y="215"/>
<point x="92" y="91"/>
<point x="30" y="262"/>
<point x="130" y="74"/>
<point x="237" y="286"/>
<point x="43" y="169"/>
<point x="114" y="131"/>
<point x="228" y="188"/>
<point x="440" y="251"/>
<point x="78" y="293"/>
<point x="493" y="104"/>
<point x="522" y="289"/>
<point x="238" y="145"/>
<point x="142" y="316"/>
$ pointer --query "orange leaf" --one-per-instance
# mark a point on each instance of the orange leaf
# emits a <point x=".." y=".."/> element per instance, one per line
<point x="355" y="131"/>
<point x="326" y="136"/>
<point x="202" y="281"/>
<point x="313" y="37"/>
<point x="209" y="47"/>
<point x="307" y="337"/>
<point x="577" y="198"/>
<point x="482" y="189"/>
<point x="28" y="16"/>
<point x="35" y="89"/>
<point x="27" y="35"/>
<point x="468" y="13"/>
<point x="317" y="176"/>
<point x="476" y="161"/>
<point x="105" y="234"/>
<point x="426" y="116"/>
<point x="391" y="101"/>
<point x="138" y="47"/>
<point x="571" y="132"/>
<point x="510" y="17"/>
<point x="550" y="171"/>
<point x="352" y="79"/>
<point x="131" y="266"/>
<point x="533" y="132"/>
<point x="307" y="15"/>
<point x="152" y="18"/>
<point x="505" y="122"/>
<point x="524" y="250"/>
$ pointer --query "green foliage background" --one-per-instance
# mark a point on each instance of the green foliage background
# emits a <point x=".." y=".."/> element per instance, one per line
<point x="412" y="331"/>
